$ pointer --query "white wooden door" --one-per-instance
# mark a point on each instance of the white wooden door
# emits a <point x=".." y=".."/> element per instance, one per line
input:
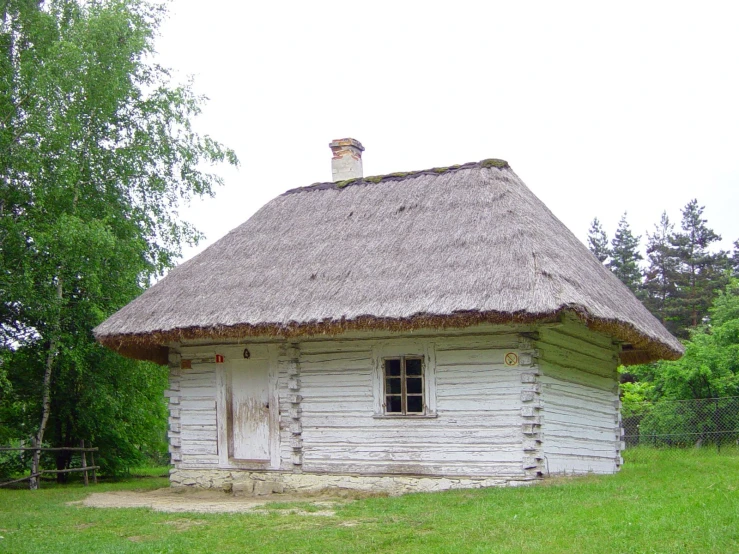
<point x="250" y="419"/>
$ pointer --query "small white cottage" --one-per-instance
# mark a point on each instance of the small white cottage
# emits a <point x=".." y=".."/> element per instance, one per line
<point x="412" y="331"/>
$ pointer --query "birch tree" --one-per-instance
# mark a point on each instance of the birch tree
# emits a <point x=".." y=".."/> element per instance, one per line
<point x="97" y="153"/>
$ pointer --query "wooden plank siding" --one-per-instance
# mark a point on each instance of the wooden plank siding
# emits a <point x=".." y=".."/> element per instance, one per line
<point x="476" y="429"/>
<point x="173" y="393"/>
<point x="556" y="410"/>
<point x="198" y="432"/>
<point x="579" y="396"/>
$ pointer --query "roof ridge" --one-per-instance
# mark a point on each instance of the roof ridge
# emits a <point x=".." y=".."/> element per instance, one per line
<point x="400" y="175"/>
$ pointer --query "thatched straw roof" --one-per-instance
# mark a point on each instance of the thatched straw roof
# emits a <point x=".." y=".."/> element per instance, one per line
<point x="438" y="248"/>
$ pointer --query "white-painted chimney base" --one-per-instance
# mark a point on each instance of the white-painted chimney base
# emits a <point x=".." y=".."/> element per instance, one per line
<point x="346" y="162"/>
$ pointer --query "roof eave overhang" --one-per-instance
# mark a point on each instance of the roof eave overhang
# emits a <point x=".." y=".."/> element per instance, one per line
<point x="153" y="346"/>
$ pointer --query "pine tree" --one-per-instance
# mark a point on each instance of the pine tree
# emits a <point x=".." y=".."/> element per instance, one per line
<point x="625" y="257"/>
<point x="700" y="273"/>
<point x="598" y="241"/>
<point x="735" y="259"/>
<point x="659" y="278"/>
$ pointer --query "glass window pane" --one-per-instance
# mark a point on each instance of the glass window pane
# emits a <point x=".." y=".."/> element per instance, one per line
<point x="392" y="368"/>
<point x="392" y="385"/>
<point x="413" y="366"/>
<point x="392" y="404"/>
<point x="414" y="385"/>
<point x="415" y="404"/>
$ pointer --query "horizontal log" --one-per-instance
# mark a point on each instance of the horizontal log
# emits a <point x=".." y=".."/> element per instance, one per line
<point x="577" y="377"/>
<point x="363" y="421"/>
<point x="492" y="357"/>
<point x="195" y="392"/>
<point x="413" y="439"/>
<point x="573" y="360"/>
<point x="483" y="371"/>
<point x="70" y="470"/>
<point x="201" y="404"/>
<point x="504" y="341"/>
<point x="472" y="469"/>
<point x="580" y="346"/>
<point x="205" y="435"/>
<point x="576" y="328"/>
<point x="19" y="480"/>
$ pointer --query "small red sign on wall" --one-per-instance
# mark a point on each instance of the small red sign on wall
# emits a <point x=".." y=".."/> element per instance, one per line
<point x="219" y="358"/>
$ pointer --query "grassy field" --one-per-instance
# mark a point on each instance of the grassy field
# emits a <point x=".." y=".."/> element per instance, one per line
<point x="664" y="504"/>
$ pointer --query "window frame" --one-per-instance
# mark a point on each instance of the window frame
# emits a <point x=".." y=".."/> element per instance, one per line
<point x="404" y="350"/>
<point x="403" y="394"/>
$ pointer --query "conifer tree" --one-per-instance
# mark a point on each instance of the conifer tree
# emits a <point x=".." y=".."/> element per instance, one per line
<point x="659" y="278"/>
<point x="598" y="241"/>
<point x="700" y="273"/>
<point x="625" y="257"/>
<point x="735" y="259"/>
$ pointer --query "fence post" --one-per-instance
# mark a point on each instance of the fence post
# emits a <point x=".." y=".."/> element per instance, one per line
<point x="717" y="426"/>
<point x="84" y="463"/>
<point x="35" y="481"/>
<point x="94" y="471"/>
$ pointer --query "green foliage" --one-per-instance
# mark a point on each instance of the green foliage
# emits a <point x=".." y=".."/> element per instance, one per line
<point x="598" y="241"/>
<point x="659" y="278"/>
<point x="683" y="273"/>
<point x="699" y="273"/>
<point x="635" y="396"/>
<point x="709" y="368"/>
<point x="114" y="403"/>
<point x="688" y="423"/>
<point x="12" y="463"/>
<point x="625" y="256"/>
<point x="674" y="403"/>
<point x="97" y="153"/>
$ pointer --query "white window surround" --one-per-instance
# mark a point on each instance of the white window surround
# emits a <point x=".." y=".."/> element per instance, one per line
<point x="408" y="348"/>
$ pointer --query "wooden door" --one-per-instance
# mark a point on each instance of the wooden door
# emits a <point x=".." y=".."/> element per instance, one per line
<point x="249" y="414"/>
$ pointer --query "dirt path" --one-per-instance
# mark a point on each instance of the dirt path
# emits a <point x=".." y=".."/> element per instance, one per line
<point x="207" y="501"/>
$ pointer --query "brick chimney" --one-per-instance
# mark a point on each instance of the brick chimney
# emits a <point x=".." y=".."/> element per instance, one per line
<point x="346" y="162"/>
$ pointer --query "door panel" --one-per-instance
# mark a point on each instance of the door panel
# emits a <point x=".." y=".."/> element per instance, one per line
<point x="249" y="425"/>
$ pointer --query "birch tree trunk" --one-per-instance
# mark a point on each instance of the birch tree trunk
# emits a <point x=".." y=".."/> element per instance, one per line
<point x="46" y="399"/>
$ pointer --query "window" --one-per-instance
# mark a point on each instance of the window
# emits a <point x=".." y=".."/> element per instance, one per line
<point x="404" y="386"/>
<point x="404" y="379"/>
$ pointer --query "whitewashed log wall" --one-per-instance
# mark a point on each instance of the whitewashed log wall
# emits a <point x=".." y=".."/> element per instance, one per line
<point x="193" y="434"/>
<point x="555" y="411"/>
<point x="581" y="423"/>
<point x="476" y="431"/>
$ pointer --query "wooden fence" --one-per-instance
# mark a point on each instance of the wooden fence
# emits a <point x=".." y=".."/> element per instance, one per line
<point x="83" y="463"/>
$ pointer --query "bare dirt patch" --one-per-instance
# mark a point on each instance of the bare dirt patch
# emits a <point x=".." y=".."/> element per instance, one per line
<point x="210" y="501"/>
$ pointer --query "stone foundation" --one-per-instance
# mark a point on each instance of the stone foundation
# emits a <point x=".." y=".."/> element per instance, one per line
<point x="261" y="483"/>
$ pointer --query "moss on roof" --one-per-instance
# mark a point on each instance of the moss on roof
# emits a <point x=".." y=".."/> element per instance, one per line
<point x="400" y="175"/>
<point x="449" y="247"/>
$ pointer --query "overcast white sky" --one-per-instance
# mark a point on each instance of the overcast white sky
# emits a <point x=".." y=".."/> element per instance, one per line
<point x="599" y="107"/>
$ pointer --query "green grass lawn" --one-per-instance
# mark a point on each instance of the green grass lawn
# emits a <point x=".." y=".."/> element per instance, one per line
<point x="657" y="503"/>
